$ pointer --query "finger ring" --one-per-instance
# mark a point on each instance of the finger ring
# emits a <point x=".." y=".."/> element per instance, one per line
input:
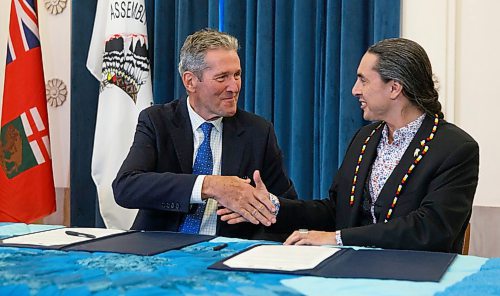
<point x="254" y="211"/>
<point x="303" y="231"/>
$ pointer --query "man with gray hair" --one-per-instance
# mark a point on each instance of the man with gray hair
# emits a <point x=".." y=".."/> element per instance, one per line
<point x="192" y="155"/>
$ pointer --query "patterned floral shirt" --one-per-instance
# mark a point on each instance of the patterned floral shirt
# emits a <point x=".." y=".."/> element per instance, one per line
<point x="389" y="155"/>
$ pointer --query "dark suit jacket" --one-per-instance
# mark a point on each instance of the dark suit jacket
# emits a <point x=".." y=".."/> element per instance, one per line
<point x="432" y="211"/>
<point x="156" y="177"/>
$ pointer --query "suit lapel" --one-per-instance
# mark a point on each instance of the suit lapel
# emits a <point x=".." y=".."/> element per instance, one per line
<point x="182" y="136"/>
<point x="389" y="190"/>
<point x="232" y="146"/>
<point x="364" y="170"/>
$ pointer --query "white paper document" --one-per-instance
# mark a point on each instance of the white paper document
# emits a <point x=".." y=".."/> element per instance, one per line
<point x="280" y="257"/>
<point x="61" y="236"/>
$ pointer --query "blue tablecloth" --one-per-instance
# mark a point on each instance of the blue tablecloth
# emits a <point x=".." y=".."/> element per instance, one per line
<point x="26" y="271"/>
<point x="11" y="229"/>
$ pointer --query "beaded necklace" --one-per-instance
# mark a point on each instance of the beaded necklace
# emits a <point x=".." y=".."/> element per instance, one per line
<point x="419" y="154"/>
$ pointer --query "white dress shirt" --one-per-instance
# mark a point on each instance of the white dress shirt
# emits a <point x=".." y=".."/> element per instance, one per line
<point x="209" y="221"/>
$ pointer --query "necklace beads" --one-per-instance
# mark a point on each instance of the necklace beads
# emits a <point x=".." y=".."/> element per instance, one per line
<point x="419" y="154"/>
<point x="355" y="178"/>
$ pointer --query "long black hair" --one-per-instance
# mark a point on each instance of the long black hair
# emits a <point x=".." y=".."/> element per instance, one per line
<point x="407" y="62"/>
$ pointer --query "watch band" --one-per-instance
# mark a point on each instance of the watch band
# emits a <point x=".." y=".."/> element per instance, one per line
<point x="276" y="202"/>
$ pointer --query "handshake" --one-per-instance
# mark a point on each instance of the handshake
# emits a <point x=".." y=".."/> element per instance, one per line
<point x="240" y="201"/>
<point x="243" y="203"/>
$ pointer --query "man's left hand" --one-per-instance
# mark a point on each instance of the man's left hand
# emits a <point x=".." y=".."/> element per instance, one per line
<point x="230" y="217"/>
<point x="314" y="238"/>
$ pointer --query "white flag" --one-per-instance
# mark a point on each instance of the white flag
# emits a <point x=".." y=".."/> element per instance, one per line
<point x="55" y="39"/>
<point x="118" y="58"/>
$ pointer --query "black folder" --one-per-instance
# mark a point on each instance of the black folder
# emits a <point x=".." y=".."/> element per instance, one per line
<point x="406" y="265"/>
<point x="145" y="243"/>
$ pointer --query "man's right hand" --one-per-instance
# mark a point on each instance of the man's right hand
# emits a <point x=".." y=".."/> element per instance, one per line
<point x="232" y="217"/>
<point x="239" y="196"/>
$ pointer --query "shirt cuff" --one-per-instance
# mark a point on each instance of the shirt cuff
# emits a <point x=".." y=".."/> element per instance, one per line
<point x="276" y="203"/>
<point x="196" y="193"/>
<point x="338" y="237"/>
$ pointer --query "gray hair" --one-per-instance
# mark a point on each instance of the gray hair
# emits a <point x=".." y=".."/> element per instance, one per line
<point x="407" y="62"/>
<point x="194" y="50"/>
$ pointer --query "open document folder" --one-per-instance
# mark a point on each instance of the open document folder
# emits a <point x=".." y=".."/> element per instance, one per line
<point x="285" y="258"/>
<point x="144" y="243"/>
<point x="340" y="263"/>
<point x="61" y="236"/>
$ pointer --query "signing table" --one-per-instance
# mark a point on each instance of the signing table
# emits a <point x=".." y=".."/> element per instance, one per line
<point x="25" y="271"/>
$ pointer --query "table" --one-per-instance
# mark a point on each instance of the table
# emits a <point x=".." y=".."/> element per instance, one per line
<point x="26" y="271"/>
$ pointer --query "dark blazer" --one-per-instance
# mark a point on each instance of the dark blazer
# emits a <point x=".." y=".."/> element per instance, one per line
<point x="156" y="177"/>
<point x="432" y="211"/>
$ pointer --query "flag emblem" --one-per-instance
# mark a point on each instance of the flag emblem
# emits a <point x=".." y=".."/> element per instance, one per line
<point x="24" y="143"/>
<point x="126" y="63"/>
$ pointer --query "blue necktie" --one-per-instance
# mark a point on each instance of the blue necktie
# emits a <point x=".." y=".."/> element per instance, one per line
<point x="203" y="165"/>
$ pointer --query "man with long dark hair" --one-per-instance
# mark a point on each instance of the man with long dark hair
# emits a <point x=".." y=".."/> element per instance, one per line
<point x="407" y="180"/>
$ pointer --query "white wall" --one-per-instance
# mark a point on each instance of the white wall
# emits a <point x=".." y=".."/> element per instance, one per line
<point x="461" y="38"/>
<point x="478" y="95"/>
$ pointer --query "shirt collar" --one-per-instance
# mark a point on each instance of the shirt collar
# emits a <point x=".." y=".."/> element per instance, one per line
<point x="406" y="132"/>
<point x="197" y="120"/>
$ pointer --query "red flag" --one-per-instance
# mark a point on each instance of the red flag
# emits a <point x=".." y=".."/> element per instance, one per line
<point x="26" y="183"/>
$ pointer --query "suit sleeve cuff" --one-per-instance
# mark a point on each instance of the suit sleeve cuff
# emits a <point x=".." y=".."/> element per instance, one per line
<point x="338" y="238"/>
<point x="196" y="193"/>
